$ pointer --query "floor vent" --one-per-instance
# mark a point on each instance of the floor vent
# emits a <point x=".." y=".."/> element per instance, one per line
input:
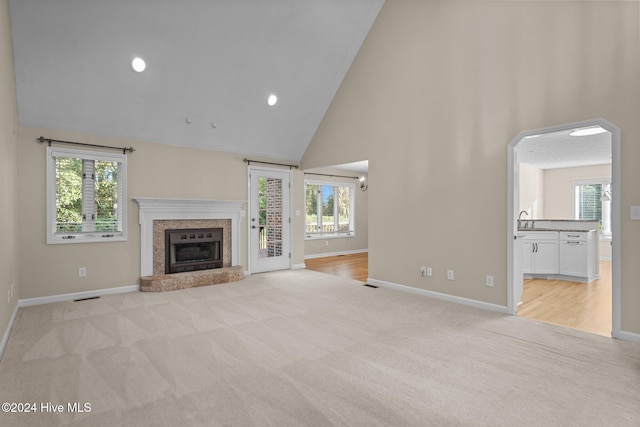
<point x="370" y="286"/>
<point x="85" y="299"/>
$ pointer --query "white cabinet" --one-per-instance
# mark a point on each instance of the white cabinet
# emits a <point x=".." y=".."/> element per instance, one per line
<point x="567" y="255"/>
<point x="577" y="254"/>
<point x="540" y="252"/>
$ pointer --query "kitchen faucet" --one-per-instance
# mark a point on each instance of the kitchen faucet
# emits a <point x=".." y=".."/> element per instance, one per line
<point x="520" y="218"/>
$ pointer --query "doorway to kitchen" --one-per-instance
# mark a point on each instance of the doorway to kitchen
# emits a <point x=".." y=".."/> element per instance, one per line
<point x="580" y="144"/>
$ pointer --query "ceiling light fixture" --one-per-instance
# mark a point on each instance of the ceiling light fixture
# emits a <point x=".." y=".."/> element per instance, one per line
<point x="138" y="64"/>
<point x="272" y="100"/>
<point x="588" y="131"/>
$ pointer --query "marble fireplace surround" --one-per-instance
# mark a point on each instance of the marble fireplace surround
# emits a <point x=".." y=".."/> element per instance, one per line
<point x="183" y="210"/>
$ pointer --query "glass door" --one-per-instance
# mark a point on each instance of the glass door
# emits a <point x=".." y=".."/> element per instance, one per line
<point x="269" y="225"/>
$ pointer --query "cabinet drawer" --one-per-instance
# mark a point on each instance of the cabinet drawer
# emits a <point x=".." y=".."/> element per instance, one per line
<point x="539" y="235"/>
<point x="574" y="236"/>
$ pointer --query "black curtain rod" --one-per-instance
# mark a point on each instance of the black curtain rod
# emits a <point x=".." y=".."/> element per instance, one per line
<point x="332" y="176"/>
<point x="249" y="161"/>
<point x="42" y="139"/>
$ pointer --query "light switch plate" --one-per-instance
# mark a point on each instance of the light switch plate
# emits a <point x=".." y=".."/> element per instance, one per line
<point x="635" y="212"/>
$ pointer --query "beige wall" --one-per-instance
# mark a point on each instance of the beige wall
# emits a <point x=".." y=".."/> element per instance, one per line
<point x="8" y="171"/>
<point x="435" y="95"/>
<point x="358" y="243"/>
<point x="154" y="170"/>
<point x="530" y="191"/>
<point x="558" y="188"/>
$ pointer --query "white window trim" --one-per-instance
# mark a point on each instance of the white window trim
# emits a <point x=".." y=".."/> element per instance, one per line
<point x="604" y="236"/>
<point x="84" y="237"/>
<point x="343" y="235"/>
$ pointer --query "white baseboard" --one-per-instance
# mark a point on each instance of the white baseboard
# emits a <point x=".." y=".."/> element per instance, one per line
<point x="328" y="254"/>
<point x="629" y="336"/>
<point x="5" y="338"/>
<point x="444" y="297"/>
<point x="298" y="266"/>
<point x="77" y="295"/>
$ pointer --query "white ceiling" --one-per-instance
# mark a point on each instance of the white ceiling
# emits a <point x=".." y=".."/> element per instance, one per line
<point x="212" y="63"/>
<point x="560" y="150"/>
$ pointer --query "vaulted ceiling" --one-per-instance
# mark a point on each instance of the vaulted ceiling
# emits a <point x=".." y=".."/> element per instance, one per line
<point x="210" y="66"/>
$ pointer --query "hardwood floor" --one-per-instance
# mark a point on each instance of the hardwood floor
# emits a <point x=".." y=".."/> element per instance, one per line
<point x="584" y="306"/>
<point x="353" y="266"/>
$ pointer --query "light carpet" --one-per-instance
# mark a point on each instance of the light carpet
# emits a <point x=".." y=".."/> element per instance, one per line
<point x="302" y="348"/>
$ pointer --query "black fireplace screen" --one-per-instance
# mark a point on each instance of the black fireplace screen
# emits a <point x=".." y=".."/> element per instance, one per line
<point x="193" y="249"/>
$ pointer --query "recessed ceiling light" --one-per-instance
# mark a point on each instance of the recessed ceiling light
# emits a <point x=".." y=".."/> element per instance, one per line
<point x="588" y="131"/>
<point x="138" y="64"/>
<point x="272" y="100"/>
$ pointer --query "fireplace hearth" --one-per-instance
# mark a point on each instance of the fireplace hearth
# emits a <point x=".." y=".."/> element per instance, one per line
<point x="193" y="249"/>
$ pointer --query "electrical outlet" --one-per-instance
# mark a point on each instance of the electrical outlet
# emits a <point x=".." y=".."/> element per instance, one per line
<point x="326" y="243"/>
<point x="489" y="281"/>
<point x="449" y="274"/>
<point x="423" y="271"/>
<point x="429" y="271"/>
<point x="82" y="272"/>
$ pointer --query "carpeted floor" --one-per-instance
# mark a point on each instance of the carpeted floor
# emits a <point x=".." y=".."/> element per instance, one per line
<point x="296" y="348"/>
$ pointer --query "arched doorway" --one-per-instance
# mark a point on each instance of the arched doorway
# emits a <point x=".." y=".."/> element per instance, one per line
<point x="514" y="251"/>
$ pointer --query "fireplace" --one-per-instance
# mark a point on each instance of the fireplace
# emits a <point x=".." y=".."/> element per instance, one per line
<point x="193" y="249"/>
<point x="157" y="215"/>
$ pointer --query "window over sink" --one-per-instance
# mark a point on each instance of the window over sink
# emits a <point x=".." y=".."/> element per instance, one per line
<point x="592" y="201"/>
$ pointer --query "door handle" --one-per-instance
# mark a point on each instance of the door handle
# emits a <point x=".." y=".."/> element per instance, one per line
<point x="253" y="226"/>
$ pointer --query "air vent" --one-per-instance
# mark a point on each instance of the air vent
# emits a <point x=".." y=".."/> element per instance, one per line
<point x="85" y="299"/>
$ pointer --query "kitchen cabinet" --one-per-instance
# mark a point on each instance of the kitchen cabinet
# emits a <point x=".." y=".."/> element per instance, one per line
<point x="577" y="254"/>
<point x="540" y="252"/>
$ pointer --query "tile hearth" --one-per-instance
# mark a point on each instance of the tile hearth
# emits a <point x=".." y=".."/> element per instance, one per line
<point x="190" y="279"/>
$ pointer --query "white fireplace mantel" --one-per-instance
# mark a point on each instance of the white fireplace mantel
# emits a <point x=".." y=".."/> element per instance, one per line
<point x="180" y="209"/>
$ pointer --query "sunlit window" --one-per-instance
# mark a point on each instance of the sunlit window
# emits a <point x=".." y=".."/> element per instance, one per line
<point x="329" y="208"/>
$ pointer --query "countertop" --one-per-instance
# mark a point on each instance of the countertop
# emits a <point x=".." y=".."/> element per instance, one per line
<point x="558" y="226"/>
<point x="556" y="229"/>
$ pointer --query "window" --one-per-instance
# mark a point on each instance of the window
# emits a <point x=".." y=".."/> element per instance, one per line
<point x="593" y="202"/>
<point x="86" y="196"/>
<point x="329" y="209"/>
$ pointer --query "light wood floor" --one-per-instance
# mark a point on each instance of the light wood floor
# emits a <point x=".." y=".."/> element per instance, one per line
<point x="352" y="266"/>
<point x="584" y="306"/>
